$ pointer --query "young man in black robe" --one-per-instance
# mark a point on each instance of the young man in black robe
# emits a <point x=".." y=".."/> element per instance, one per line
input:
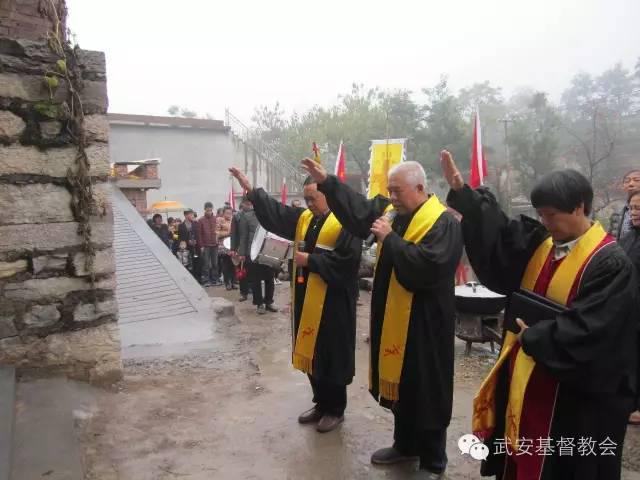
<point x="324" y="291"/>
<point x="412" y="308"/>
<point x="556" y="404"/>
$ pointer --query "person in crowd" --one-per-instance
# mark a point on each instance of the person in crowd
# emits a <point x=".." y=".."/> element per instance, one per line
<point x="243" y="279"/>
<point x="630" y="243"/>
<point x="247" y="226"/>
<point x="567" y="367"/>
<point x="184" y="256"/>
<point x="224" y="232"/>
<point x="412" y="307"/>
<point x="208" y="245"/>
<point x="630" y="183"/>
<point x="188" y="233"/>
<point x="324" y="298"/>
<point x="161" y="229"/>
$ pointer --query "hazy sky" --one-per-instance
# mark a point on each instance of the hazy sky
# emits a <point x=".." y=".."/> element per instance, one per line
<point x="212" y="54"/>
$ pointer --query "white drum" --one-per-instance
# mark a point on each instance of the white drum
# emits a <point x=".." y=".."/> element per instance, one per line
<point x="269" y="249"/>
<point x="226" y="243"/>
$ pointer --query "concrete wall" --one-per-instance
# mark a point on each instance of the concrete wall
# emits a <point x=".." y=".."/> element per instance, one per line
<point x="194" y="161"/>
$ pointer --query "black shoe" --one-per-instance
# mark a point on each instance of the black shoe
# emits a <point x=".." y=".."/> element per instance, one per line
<point x="270" y="308"/>
<point x="243" y="298"/>
<point x="391" y="456"/>
<point x="328" y="423"/>
<point x="312" y="415"/>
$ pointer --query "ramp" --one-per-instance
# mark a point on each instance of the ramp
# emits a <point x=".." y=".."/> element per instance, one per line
<point x="160" y="302"/>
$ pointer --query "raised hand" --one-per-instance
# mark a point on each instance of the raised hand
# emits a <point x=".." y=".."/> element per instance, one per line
<point x="315" y="170"/>
<point x="242" y="179"/>
<point x="450" y="171"/>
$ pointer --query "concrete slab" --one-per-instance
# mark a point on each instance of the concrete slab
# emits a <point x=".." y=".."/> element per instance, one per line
<point x="45" y="441"/>
<point x="160" y="303"/>
<point x="7" y="412"/>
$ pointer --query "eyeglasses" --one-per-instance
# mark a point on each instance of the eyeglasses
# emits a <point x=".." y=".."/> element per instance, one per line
<point x="634" y="208"/>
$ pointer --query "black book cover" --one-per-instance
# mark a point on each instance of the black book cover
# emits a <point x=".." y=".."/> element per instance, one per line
<point x="531" y="308"/>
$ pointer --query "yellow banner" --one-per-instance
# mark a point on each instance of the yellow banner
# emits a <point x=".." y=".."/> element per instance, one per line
<point x="384" y="155"/>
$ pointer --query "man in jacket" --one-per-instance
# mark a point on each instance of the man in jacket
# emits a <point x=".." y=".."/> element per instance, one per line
<point x="247" y="227"/>
<point x="208" y="244"/>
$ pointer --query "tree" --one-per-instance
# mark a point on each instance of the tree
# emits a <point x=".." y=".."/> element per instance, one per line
<point x="533" y="141"/>
<point x="445" y="127"/>
<point x="594" y="118"/>
<point x="178" y="111"/>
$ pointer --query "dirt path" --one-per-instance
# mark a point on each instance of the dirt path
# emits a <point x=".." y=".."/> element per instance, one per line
<point x="231" y="413"/>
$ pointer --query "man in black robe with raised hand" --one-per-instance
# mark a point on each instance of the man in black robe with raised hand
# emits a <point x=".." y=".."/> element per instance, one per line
<point x="412" y="308"/>
<point x="556" y="404"/>
<point x="324" y="293"/>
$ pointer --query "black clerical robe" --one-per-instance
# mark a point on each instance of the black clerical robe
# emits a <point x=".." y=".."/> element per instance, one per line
<point x="427" y="269"/>
<point x="334" y="357"/>
<point x="589" y="352"/>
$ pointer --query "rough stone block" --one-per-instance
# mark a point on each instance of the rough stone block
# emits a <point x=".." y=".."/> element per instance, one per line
<point x="103" y="263"/>
<point x="92" y="64"/>
<point x="88" y="312"/>
<point x="11" y="126"/>
<point x="96" y="128"/>
<point x="41" y="316"/>
<point x="39" y="289"/>
<point x="55" y="162"/>
<point x="9" y="269"/>
<point x="50" y="263"/>
<point x="20" y="239"/>
<point x="32" y="88"/>
<point x="34" y="203"/>
<point x="7" y="327"/>
<point x="223" y="307"/>
<point x="50" y="129"/>
<point x="91" y="354"/>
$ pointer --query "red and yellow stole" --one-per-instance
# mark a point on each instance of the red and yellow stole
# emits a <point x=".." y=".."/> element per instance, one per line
<point x="559" y="290"/>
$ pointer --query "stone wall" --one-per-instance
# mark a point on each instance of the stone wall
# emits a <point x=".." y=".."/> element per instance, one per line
<point x="23" y="19"/>
<point x="51" y="318"/>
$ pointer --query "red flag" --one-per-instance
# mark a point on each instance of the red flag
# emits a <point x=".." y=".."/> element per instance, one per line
<point x="478" y="162"/>
<point x="340" y="170"/>
<point x="283" y="191"/>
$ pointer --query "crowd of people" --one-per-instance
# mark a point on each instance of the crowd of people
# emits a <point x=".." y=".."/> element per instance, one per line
<point x="216" y="249"/>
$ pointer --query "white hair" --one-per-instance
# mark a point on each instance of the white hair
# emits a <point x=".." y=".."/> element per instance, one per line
<point x="412" y="171"/>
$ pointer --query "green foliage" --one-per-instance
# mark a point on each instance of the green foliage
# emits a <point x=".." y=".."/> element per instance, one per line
<point x="47" y="109"/>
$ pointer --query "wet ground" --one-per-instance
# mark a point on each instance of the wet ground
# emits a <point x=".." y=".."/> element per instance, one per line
<point x="229" y="412"/>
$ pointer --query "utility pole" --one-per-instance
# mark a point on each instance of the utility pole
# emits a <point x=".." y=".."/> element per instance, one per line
<point x="506" y="121"/>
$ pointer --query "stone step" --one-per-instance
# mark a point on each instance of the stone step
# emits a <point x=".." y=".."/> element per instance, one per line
<point x="7" y="413"/>
<point x="46" y="443"/>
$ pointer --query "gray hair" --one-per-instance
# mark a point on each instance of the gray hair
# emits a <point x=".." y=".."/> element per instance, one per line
<point x="412" y="171"/>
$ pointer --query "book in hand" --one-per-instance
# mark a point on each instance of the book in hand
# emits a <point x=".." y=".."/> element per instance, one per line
<point x="531" y="308"/>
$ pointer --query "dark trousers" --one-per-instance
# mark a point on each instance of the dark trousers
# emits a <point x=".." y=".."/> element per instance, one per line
<point x="209" y="259"/>
<point x="244" y="285"/>
<point x="328" y="397"/>
<point x="257" y="274"/>
<point x="410" y="439"/>
<point x="228" y="270"/>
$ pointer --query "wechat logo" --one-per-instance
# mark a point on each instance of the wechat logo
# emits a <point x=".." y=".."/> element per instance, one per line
<point x="472" y="446"/>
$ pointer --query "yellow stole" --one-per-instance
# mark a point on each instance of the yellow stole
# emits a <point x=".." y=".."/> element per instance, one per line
<point x="397" y="310"/>
<point x="315" y="294"/>
<point x="484" y="414"/>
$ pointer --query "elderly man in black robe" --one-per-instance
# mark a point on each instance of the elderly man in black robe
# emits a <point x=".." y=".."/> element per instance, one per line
<point x="412" y="307"/>
<point x="324" y="296"/>
<point x="555" y="405"/>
